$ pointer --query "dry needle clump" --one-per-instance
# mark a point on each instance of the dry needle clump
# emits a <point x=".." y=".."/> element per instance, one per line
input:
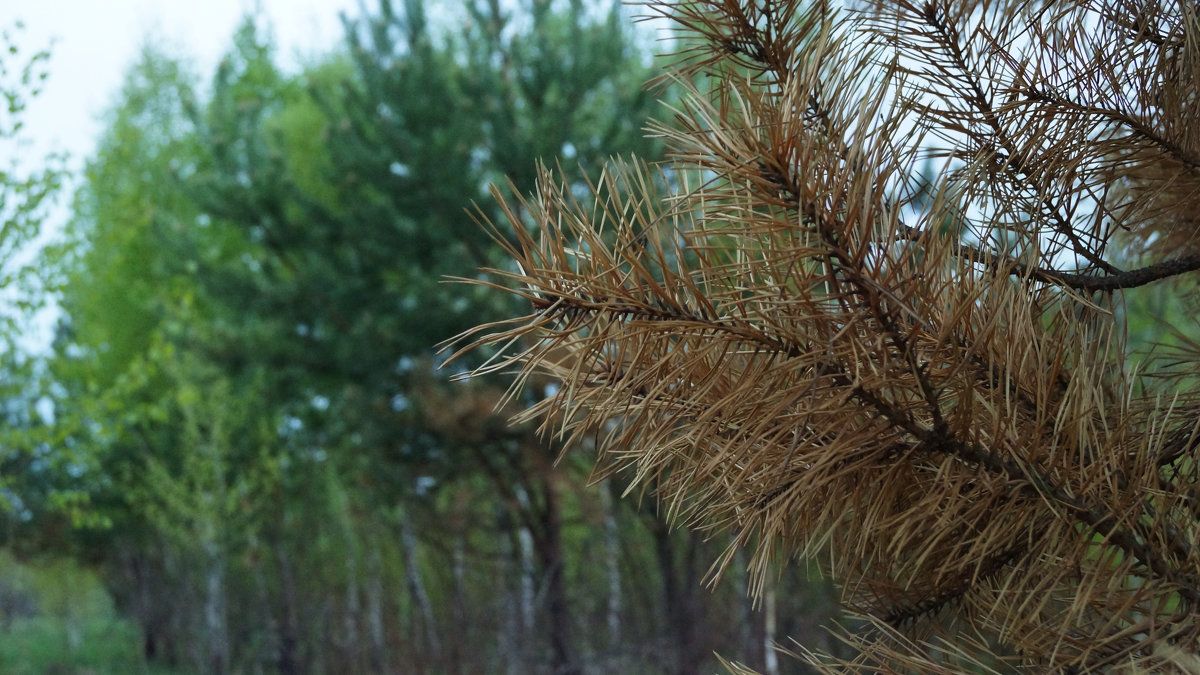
<point x="804" y="339"/>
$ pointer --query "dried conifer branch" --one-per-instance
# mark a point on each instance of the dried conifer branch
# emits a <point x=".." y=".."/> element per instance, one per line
<point x="1081" y="282"/>
<point x="778" y="333"/>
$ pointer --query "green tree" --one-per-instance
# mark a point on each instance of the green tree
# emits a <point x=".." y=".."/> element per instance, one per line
<point x="351" y="269"/>
<point x="125" y="398"/>
<point x="33" y="481"/>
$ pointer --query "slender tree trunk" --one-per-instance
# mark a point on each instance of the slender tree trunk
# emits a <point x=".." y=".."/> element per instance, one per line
<point x="215" y="618"/>
<point x="266" y="612"/>
<point x="511" y="633"/>
<point x="679" y="597"/>
<point x="135" y="568"/>
<point x="770" y="656"/>
<point x="551" y="556"/>
<point x="289" y="663"/>
<point x="458" y="606"/>
<point x="525" y="558"/>
<point x="612" y="556"/>
<point x="177" y="615"/>
<point x="375" y="610"/>
<point x="751" y="631"/>
<point x="416" y="587"/>
<point x="350" y="616"/>
<point x="670" y="581"/>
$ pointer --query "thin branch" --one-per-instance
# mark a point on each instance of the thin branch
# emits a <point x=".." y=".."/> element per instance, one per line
<point x="1133" y="278"/>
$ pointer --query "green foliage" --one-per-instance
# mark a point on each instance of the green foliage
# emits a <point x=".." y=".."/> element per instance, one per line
<point x="1162" y="337"/>
<point x="274" y="470"/>
<point x="29" y="475"/>
<point x="24" y="193"/>
<point x="57" y="617"/>
<point x="116" y="286"/>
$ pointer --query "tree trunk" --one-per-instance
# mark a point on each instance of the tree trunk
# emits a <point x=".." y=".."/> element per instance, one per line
<point x="375" y="610"/>
<point x="135" y="566"/>
<point x="538" y="540"/>
<point x="551" y="558"/>
<point x="215" y="619"/>
<point x="289" y="663"/>
<point x="350" y="616"/>
<point x="612" y="556"/>
<point x="416" y="587"/>
<point x="512" y="634"/>
<point x="679" y="597"/>
<point x="751" y="631"/>
<point x="525" y="560"/>
<point x="265" y="611"/>
<point x="458" y="608"/>
<point x="770" y="655"/>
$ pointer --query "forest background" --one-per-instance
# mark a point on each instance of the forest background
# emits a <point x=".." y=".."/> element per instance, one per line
<point x="239" y="454"/>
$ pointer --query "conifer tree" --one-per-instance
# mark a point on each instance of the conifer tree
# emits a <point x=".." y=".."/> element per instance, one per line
<point x="801" y="342"/>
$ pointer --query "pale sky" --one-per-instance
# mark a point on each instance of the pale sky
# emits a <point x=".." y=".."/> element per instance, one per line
<point x="94" y="41"/>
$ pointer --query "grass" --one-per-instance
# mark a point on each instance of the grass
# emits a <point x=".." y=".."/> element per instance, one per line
<point x="57" y="619"/>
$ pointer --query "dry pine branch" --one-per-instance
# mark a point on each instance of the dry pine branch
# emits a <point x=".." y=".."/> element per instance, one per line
<point x="803" y="343"/>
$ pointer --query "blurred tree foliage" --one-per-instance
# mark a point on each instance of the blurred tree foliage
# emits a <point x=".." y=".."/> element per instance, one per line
<point x="31" y="477"/>
<point x="267" y="464"/>
<point x="24" y="193"/>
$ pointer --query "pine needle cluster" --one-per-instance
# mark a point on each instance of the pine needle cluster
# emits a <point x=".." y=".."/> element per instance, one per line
<point x="803" y="338"/>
